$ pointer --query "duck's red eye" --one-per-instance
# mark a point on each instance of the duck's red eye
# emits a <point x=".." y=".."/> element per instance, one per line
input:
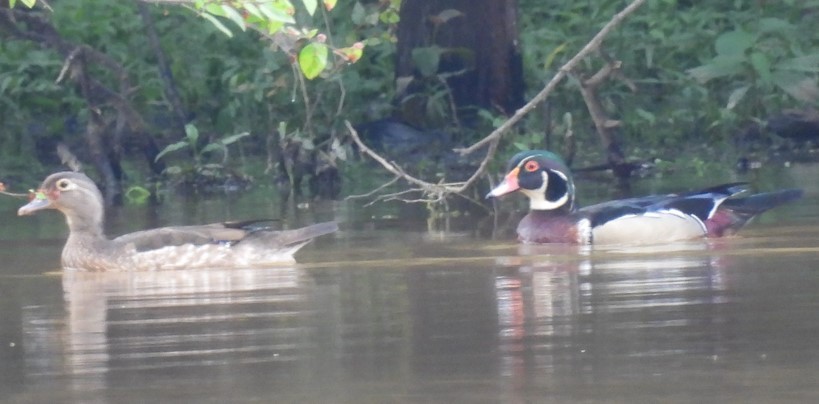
<point x="531" y="166"/>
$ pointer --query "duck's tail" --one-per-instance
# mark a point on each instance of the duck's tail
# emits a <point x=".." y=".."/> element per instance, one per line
<point x="735" y="213"/>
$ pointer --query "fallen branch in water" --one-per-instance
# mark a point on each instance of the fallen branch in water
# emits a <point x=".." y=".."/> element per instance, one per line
<point x="438" y="192"/>
<point x="431" y="192"/>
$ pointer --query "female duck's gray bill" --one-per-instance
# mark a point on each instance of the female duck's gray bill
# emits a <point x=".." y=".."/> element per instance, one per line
<point x="38" y="203"/>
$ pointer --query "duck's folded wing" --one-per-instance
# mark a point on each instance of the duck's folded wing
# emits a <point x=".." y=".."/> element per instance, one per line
<point x="602" y="213"/>
<point x="224" y="233"/>
<point x="701" y="204"/>
<point x="284" y="238"/>
<point x="147" y="240"/>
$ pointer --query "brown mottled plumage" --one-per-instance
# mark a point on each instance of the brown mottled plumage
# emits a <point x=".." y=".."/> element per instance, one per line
<point x="212" y="245"/>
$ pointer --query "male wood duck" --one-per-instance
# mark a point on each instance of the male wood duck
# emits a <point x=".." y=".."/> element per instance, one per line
<point x="553" y="217"/>
<point x="222" y="245"/>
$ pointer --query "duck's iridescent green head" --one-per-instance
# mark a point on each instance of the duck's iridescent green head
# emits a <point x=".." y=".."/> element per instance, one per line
<point x="540" y="175"/>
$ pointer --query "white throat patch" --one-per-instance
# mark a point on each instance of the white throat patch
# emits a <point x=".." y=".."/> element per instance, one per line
<point x="537" y="197"/>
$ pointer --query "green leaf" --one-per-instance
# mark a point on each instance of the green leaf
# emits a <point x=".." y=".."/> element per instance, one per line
<point x="807" y="64"/>
<point x="28" y="3"/>
<point x="797" y="86"/>
<point x="389" y="16"/>
<point x="446" y="15"/>
<point x="550" y="58"/>
<point x="737" y="96"/>
<point x="171" y="148"/>
<point x="313" y="59"/>
<point x="338" y="149"/>
<point x="309" y="34"/>
<point x="253" y="10"/>
<point x="720" y="66"/>
<point x="137" y="194"/>
<point x="218" y="24"/>
<point x="426" y="59"/>
<point x="191" y="133"/>
<point x="310" y="5"/>
<point x="274" y="26"/>
<point x="734" y="42"/>
<point x="234" y="16"/>
<point x="648" y="116"/>
<point x="762" y="66"/>
<point x="775" y="25"/>
<point x="213" y="146"/>
<point x="233" y="138"/>
<point x="173" y="170"/>
<point x="11" y="3"/>
<point x="359" y="14"/>
<point x="353" y="53"/>
<point x="276" y="12"/>
<point x="215" y="9"/>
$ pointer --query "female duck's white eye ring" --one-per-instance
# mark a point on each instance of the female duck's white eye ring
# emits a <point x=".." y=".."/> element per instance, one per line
<point x="531" y="166"/>
<point x="63" y="185"/>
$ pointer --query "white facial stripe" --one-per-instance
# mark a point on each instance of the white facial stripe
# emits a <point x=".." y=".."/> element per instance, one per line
<point x="537" y="197"/>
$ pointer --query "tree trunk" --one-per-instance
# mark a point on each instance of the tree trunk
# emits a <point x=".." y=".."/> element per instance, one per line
<point x="477" y="44"/>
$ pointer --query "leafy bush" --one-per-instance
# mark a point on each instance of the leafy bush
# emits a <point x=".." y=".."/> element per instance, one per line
<point x="702" y="70"/>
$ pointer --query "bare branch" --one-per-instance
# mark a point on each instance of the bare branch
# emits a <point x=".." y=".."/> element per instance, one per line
<point x="588" y="89"/>
<point x="67" y="64"/>
<point x="437" y="192"/>
<point x="590" y="47"/>
<point x="431" y="192"/>
<point x="376" y="190"/>
<point x="392" y="167"/>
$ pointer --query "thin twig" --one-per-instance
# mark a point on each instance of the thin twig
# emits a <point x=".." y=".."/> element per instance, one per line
<point x="437" y="192"/>
<point x="16" y="195"/>
<point x="67" y="64"/>
<point x="376" y="190"/>
<point x="390" y="166"/>
<point x="590" y="47"/>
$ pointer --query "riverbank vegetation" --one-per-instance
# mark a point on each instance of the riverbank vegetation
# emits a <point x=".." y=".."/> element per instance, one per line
<point x="145" y="92"/>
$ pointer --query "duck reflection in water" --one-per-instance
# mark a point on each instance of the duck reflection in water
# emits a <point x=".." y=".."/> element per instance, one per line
<point x="167" y="320"/>
<point x="540" y="311"/>
<point x="554" y="300"/>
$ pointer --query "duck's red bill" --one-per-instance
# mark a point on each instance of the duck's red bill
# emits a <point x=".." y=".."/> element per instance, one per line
<point x="509" y="184"/>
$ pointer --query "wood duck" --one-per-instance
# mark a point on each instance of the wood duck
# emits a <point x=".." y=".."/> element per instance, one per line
<point x="223" y="245"/>
<point x="553" y="217"/>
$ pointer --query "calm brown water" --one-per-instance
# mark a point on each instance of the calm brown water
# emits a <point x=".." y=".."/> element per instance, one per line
<point x="387" y="312"/>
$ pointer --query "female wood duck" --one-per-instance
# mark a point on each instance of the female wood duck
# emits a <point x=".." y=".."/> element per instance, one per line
<point x="553" y="218"/>
<point x="223" y="245"/>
